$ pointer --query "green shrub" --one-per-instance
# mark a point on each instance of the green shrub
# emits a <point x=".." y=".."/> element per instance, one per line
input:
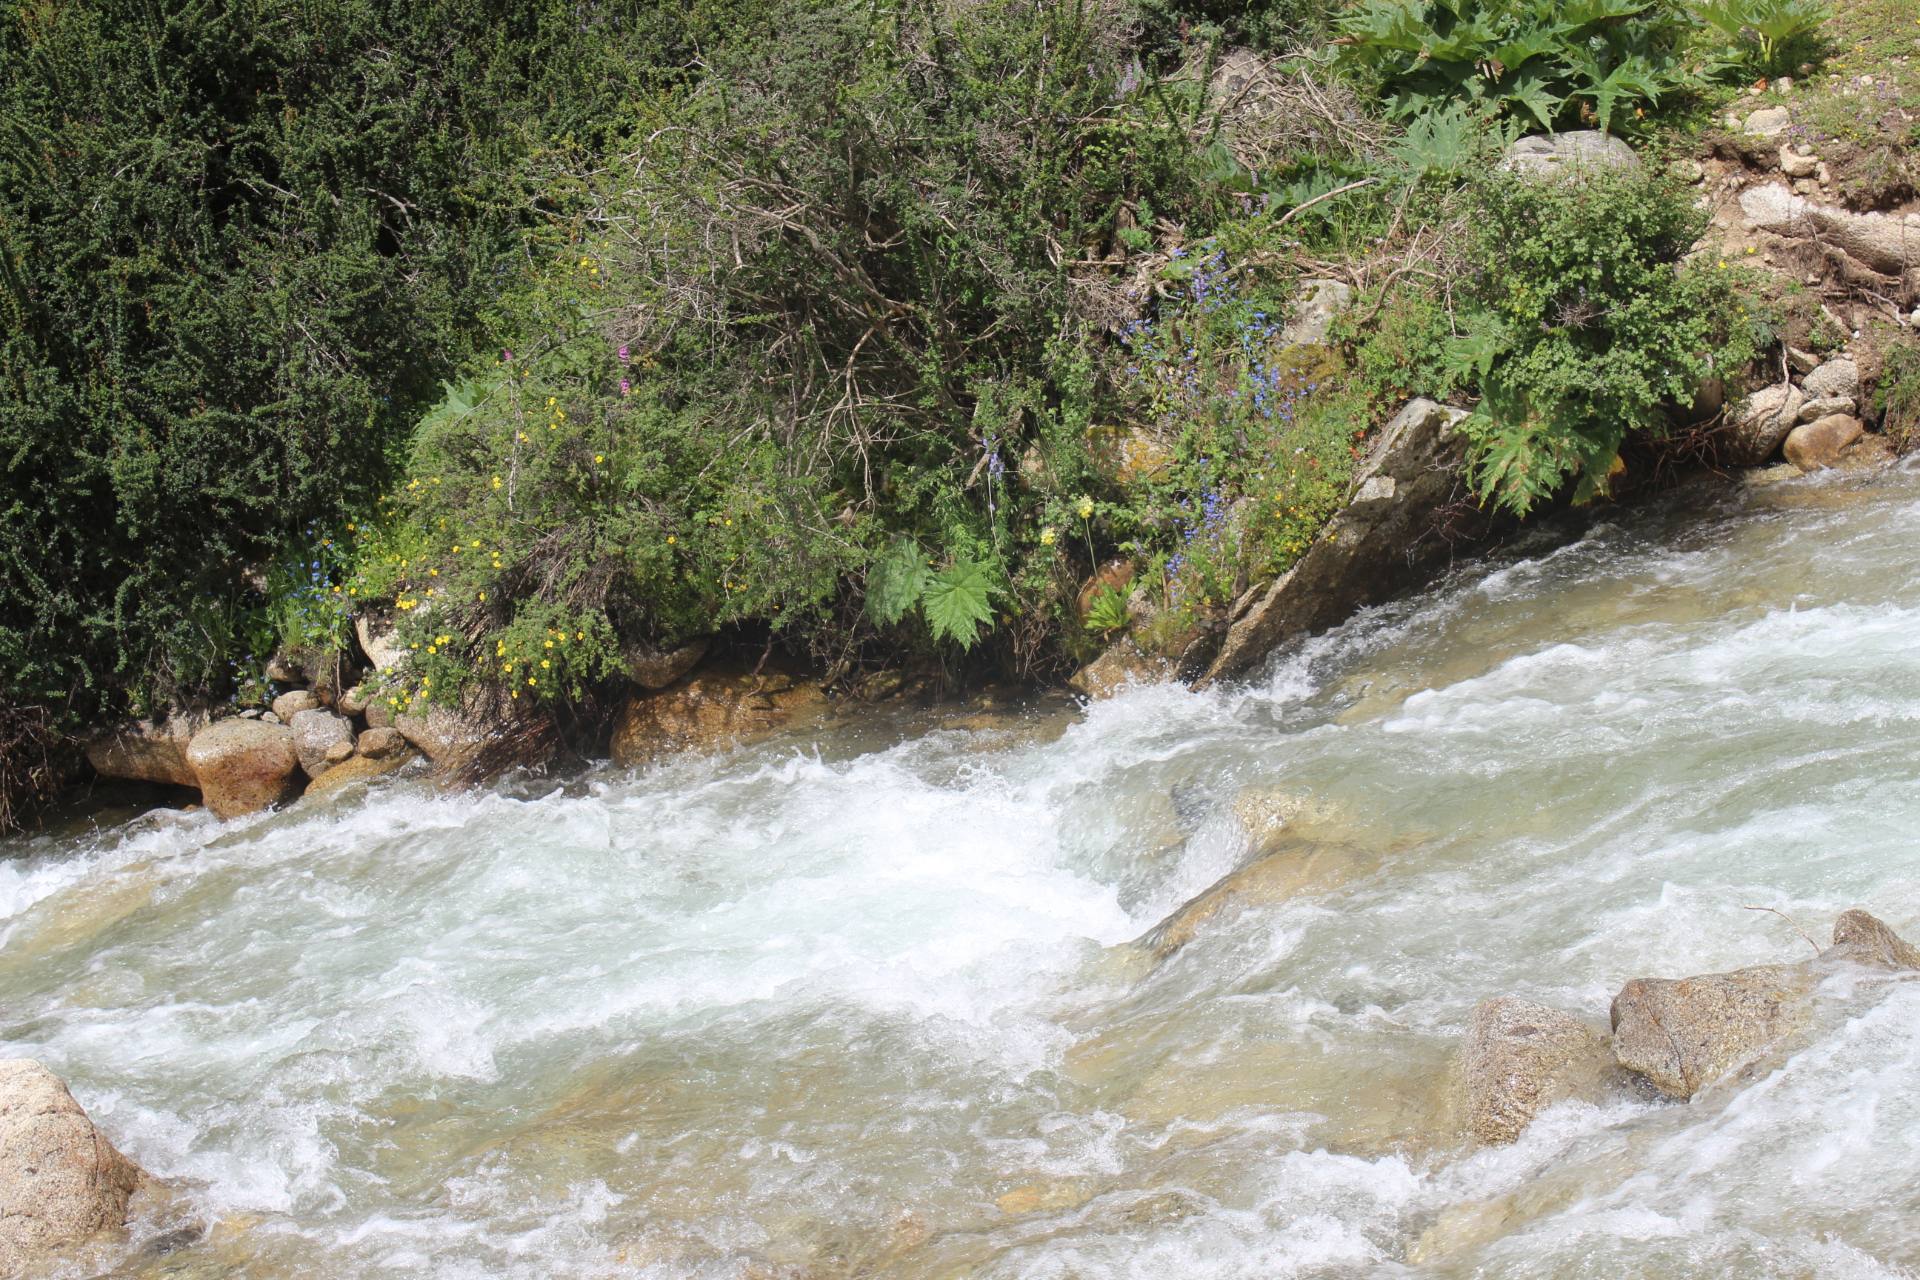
<point x="1586" y="320"/>
<point x="1561" y="64"/>
<point x="1896" y="392"/>
<point x="239" y="245"/>
<point x="1758" y="37"/>
<point x="1260" y="438"/>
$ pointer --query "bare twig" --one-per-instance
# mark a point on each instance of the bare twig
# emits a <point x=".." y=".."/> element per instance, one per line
<point x="1789" y="919"/>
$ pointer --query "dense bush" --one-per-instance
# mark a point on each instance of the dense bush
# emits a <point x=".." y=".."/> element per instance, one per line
<point x="1586" y="320"/>
<point x="239" y="244"/>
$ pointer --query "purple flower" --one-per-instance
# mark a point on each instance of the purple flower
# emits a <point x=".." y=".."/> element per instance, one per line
<point x="626" y="388"/>
<point x="506" y="354"/>
<point x="623" y="353"/>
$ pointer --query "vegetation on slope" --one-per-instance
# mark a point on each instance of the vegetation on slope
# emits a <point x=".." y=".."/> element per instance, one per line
<point x="866" y="330"/>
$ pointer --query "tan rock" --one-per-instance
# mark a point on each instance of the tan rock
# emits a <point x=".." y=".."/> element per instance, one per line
<point x="1521" y="1057"/>
<point x="1130" y="455"/>
<point x="1768" y="122"/>
<point x="381" y="742"/>
<point x="1318" y="305"/>
<point x="354" y="701"/>
<point x="711" y="712"/>
<point x="1812" y="446"/>
<point x="61" y="1181"/>
<point x="1123" y="663"/>
<point x="1887" y="243"/>
<point x="358" y="769"/>
<point x="243" y="766"/>
<point x="1796" y="165"/>
<point x="149" y="750"/>
<point x="1860" y="938"/>
<point x="1684" y="1034"/>
<point x="289" y="705"/>
<point x="315" y="735"/>
<point x="339" y="752"/>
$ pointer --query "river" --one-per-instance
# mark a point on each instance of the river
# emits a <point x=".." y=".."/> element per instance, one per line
<point x="864" y="1004"/>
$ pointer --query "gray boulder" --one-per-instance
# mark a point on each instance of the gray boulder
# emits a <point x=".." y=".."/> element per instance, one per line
<point x="316" y="736"/>
<point x="1826" y="406"/>
<point x="1836" y="378"/>
<point x="1581" y="151"/>
<point x="380" y="641"/>
<point x="243" y="766"/>
<point x="1758" y="425"/>
<point x="1320" y="303"/>
<point x="1885" y="243"/>
<point x="61" y="1181"/>
<point x="1683" y="1034"/>
<point x="1382" y="540"/>
<point x="1521" y="1057"/>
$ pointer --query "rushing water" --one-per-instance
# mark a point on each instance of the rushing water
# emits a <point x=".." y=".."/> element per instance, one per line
<point x="863" y="1004"/>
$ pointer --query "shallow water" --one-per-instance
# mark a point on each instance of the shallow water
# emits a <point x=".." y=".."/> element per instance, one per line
<point x="862" y="1006"/>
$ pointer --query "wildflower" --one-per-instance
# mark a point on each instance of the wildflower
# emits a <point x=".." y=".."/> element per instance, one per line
<point x="579" y="635"/>
<point x="545" y="664"/>
<point x="1047" y="536"/>
<point x="483" y="597"/>
<point x="549" y="644"/>
<point x="531" y="680"/>
<point x="599" y="458"/>
<point x="626" y="388"/>
<point x="669" y="539"/>
<point x="496" y="482"/>
<point x="1085" y="508"/>
<point x="623" y="353"/>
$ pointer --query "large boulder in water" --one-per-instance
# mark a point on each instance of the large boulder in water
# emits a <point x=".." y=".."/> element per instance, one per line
<point x="1379" y="542"/>
<point x="149" y="750"/>
<point x="61" y="1181"/>
<point x="1521" y="1057"/>
<point x="1284" y="870"/>
<point x="243" y="766"/>
<point x="1683" y="1034"/>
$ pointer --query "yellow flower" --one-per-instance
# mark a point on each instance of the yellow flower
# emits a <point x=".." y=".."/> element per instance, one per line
<point x="1085" y="508"/>
<point x="549" y="402"/>
<point x="579" y="635"/>
<point x="496" y="482"/>
<point x="483" y="597"/>
<point x="531" y="680"/>
<point x="599" y="458"/>
<point x="670" y="539"/>
<point x="545" y="665"/>
<point x="1046" y="536"/>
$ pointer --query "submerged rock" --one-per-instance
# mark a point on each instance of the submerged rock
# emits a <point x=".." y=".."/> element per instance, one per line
<point x="61" y="1181"/>
<point x="1374" y="546"/>
<point x="1286" y="870"/>
<point x="1683" y="1034"/>
<point x="149" y="750"/>
<point x="243" y="766"/>
<point x="1521" y="1057"/>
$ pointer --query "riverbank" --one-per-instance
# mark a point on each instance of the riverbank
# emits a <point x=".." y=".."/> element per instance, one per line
<point x="870" y="999"/>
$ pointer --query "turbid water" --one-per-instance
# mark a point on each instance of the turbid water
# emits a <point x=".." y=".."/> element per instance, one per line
<point x="863" y="1004"/>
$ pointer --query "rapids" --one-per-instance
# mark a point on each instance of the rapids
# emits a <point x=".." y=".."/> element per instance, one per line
<point x="862" y="1004"/>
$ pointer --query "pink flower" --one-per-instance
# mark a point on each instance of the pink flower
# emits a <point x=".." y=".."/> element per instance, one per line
<point x="506" y="353"/>
<point x="626" y="388"/>
<point x="623" y="353"/>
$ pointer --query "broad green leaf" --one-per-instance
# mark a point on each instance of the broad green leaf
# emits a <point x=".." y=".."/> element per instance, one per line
<point x="958" y="601"/>
<point x="895" y="581"/>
